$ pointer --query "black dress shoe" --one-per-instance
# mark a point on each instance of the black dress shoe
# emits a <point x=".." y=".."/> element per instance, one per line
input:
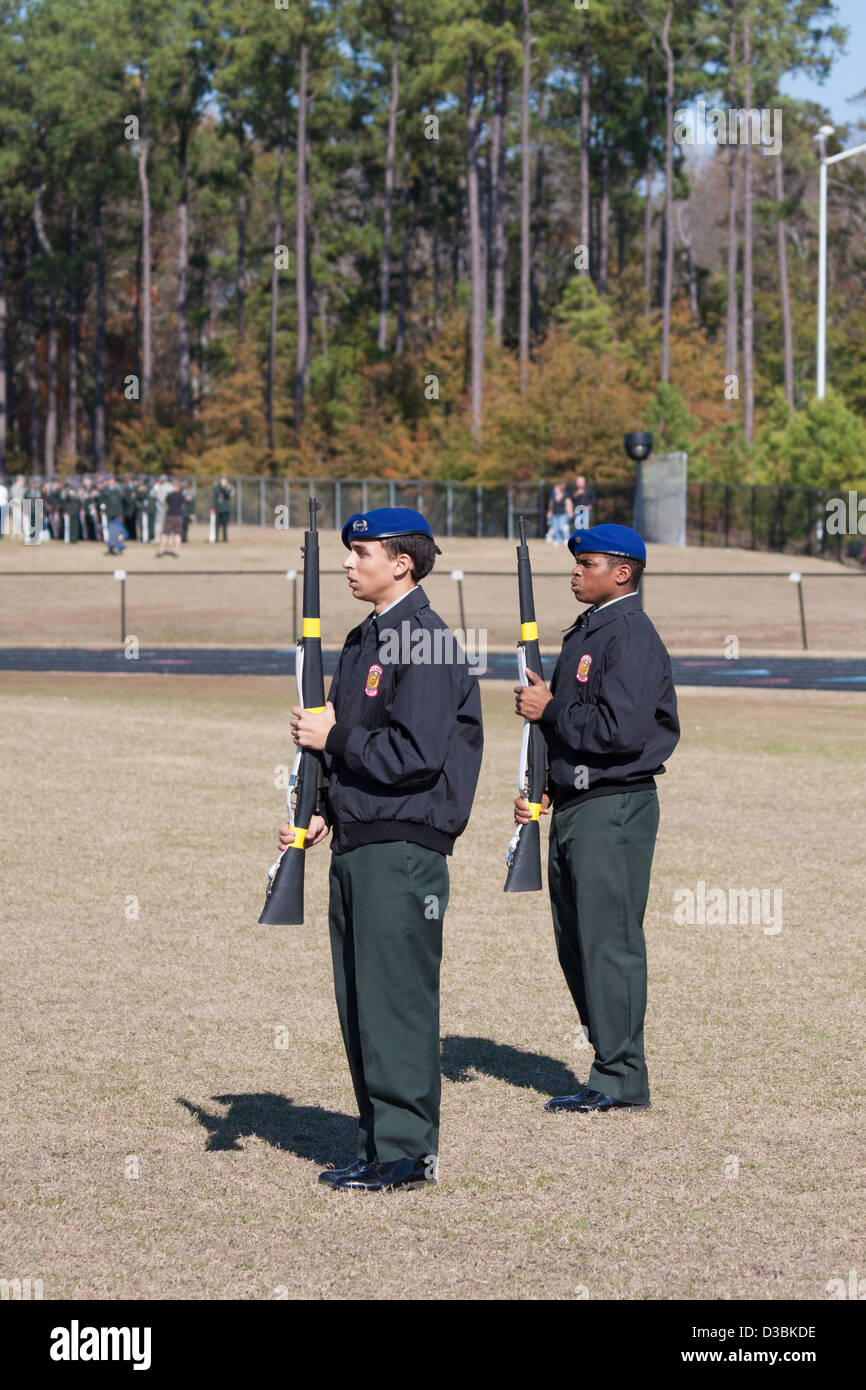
<point x="598" y="1100"/>
<point x="332" y="1175"/>
<point x="567" y="1102"/>
<point x="387" y="1177"/>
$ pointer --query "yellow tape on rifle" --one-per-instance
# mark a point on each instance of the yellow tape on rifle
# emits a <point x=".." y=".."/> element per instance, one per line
<point x="535" y="808"/>
<point x="311" y="627"/>
<point x="529" y="632"/>
<point x="314" y="709"/>
<point x="300" y="837"/>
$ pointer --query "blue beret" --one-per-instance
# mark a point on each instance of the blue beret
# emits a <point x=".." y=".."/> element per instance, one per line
<point x="383" y="522"/>
<point x="608" y="540"/>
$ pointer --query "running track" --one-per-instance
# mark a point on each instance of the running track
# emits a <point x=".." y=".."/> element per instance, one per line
<point x="784" y="673"/>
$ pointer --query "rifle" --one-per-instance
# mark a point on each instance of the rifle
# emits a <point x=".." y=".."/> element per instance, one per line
<point x="284" y="904"/>
<point x="524" y="851"/>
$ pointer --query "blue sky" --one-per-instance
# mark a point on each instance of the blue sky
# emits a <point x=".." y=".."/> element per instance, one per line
<point x="848" y="75"/>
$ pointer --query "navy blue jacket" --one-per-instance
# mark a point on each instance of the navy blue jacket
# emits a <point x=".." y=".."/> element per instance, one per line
<point x="613" y="720"/>
<point x="404" y="756"/>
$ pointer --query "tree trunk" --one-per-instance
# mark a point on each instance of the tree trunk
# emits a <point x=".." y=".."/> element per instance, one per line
<point x="458" y="260"/>
<point x="524" y="203"/>
<point x="748" y="250"/>
<point x="476" y="259"/>
<point x="72" y="311"/>
<point x="497" y="174"/>
<point x="669" y="197"/>
<point x="241" y="267"/>
<point x="585" y="211"/>
<point x="3" y="312"/>
<point x="385" y="277"/>
<point x="400" y="344"/>
<point x="146" y="295"/>
<point x="604" y="211"/>
<point x="99" y="375"/>
<point x="184" y="395"/>
<point x="301" y="244"/>
<point x="51" y="406"/>
<point x="648" y="227"/>
<point x="322" y="297"/>
<point x="32" y="382"/>
<point x="537" y="212"/>
<point x="733" y="309"/>
<point x="691" y="269"/>
<point x="437" y="278"/>
<point x="784" y="286"/>
<point x="662" y="261"/>
<point x="275" y="285"/>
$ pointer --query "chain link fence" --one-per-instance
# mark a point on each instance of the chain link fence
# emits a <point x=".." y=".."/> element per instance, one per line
<point x="751" y="516"/>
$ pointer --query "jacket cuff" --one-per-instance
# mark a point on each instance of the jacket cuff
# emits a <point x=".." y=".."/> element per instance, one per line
<point x="337" y="739"/>
<point x="551" y="710"/>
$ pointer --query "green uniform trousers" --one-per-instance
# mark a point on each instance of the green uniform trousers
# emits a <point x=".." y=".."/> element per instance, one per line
<point x="599" y="864"/>
<point x="386" y="908"/>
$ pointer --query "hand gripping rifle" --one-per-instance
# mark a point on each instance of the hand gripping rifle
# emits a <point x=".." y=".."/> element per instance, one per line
<point x="524" y="851"/>
<point x="284" y="904"/>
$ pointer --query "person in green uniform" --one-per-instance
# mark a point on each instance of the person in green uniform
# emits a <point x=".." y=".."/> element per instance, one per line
<point x="401" y="736"/>
<point x="223" y="493"/>
<point x="71" y="505"/>
<point x="609" y="718"/>
<point x="188" y="513"/>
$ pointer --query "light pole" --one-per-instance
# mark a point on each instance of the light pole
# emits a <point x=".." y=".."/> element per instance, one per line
<point x="821" y="137"/>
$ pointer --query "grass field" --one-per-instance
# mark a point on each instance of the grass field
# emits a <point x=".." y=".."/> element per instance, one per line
<point x="152" y="1027"/>
<point x="693" y="614"/>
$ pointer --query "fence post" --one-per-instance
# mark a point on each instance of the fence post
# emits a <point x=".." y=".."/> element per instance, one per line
<point x="810" y="512"/>
<point x="338" y="507"/>
<point x="510" y="512"/>
<point x="288" y="509"/>
<point x="727" y="513"/>
<point x="391" y="493"/>
<point x="754" y="519"/>
<point x="121" y="575"/>
<point x="293" y="575"/>
<point x="479" y="519"/>
<point x="542" y="510"/>
<point x="240" y="483"/>
<point x="449" y="508"/>
<point x="419" y="498"/>
<point x="457" y="576"/>
<point x="781" y="520"/>
<point x="701" y="511"/>
<point x="364" y="506"/>
<point x="261" y="501"/>
<point x="797" y="578"/>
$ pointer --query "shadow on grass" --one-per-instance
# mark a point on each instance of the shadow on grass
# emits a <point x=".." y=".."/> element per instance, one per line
<point x="461" y="1057"/>
<point x="305" y="1130"/>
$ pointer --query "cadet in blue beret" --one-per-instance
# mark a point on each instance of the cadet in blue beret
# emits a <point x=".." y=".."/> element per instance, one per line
<point x="402" y="739"/>
<point x="610" y="721"/>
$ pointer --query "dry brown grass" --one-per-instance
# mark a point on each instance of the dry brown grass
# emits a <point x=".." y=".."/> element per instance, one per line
<point x="254" y="609"/>
<point x="156" y="1037"/>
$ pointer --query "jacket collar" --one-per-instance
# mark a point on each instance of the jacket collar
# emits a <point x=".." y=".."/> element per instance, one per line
<point x="407" y="607"/>
<point x="610" y="611"/>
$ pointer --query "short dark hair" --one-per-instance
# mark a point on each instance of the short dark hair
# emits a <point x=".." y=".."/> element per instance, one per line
<point x="420" y="549"/>
<point x="637" y="567"/>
